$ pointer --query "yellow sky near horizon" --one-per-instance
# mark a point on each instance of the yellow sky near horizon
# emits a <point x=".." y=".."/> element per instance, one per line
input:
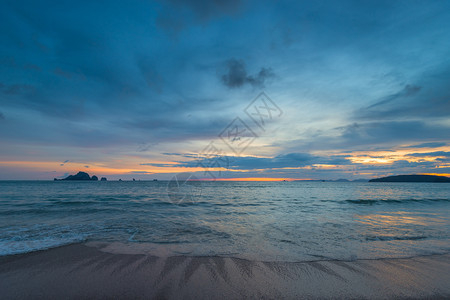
<point x="133" y="165"/>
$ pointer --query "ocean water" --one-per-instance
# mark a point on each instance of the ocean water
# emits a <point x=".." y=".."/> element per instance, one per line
<point x="274" y="221"/>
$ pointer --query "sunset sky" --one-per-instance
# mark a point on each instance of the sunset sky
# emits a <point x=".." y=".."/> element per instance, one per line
<point x="142" y="89"/>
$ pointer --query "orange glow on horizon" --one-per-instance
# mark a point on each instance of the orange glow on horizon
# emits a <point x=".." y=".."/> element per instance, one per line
<point x="436" y="174"/>
<point x="389" y="157"/>
<point x="94" y="169"/>
<point x="253" y="179"/>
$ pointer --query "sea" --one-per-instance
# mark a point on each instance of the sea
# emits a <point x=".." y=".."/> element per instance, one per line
<point x="269" y="221"/>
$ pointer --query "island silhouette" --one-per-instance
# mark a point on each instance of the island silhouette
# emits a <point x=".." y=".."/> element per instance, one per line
<point x="412" y="178"/>
<point x="81" y="176"/>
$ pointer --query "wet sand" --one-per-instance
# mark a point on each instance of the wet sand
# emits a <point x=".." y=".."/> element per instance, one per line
<point x="81" y="271"/>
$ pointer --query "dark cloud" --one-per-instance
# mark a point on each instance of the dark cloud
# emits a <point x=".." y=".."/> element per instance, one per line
<point x="290" y="160"/>
<point x="207" y="9"/>
<point x="414" y="115"/>
<point x="2" y="116"/>
<point x="17" y="89"/>
<point x="159" y="165"/>
<point x="171" y="24"/>
<point x="170" y="154"/>
<point x="149" y="74"/>
<point x="64" y="162"/>
<point x="32" y="67"/>
<point x="285" y="166"/>
<point x="141" y="172"/>
<point x="176" y="15"/>
<point x="373" y="135"/>
<point x="88" y="75"/>
<point x="435" y="153"/>
<point x="236" y="75"/>
<point x="408" y="91"/>
<point x="399" y="166"/>
<point x="428" y="145"/>
<point x="428" y="99"/>
<point x="390" y="131"/>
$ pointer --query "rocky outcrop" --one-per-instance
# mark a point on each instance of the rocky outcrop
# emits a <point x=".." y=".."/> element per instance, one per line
<point x="79" y="176"/>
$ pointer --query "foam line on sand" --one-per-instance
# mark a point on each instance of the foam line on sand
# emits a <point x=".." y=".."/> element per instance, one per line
<point x="81" y="271"/>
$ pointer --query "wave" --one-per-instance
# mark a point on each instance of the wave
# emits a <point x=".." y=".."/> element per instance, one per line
<point x="395" y="238"/>
<point x="12" y="246"/>
<point x="56" y="210"/>
<point x="393" y="201"/>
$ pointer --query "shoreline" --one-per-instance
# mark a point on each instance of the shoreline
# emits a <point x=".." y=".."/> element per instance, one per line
<point x="120" y="248"/>
<point x="84" y="271"/>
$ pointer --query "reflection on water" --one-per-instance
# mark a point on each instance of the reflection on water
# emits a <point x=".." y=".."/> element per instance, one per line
<point x="400" y="218"/>
<point x="394" y="233"/>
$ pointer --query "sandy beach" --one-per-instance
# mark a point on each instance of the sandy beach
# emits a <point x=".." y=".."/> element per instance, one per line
<point x="82" y="271"/>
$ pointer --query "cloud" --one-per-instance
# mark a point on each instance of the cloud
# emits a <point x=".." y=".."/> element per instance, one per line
<point x="64" y="162"/>
<point x="236" y="75"/>
<point x="149" y="74"/>
<point x="428" y="98"/>
<point x="207" y="9"/>
<point x="435" y="153"/>
<point x="159" y="165"/>
<point x="140" y="172"/>
<point x="290" y="160"/>
<point x="408" y="91"/>
<point x="2" y="116"/>
<point x="390" y="131"/>
<point x="173" y="153"/>
<point x="17" y="89"/>
<point x="176" y="15"/>
<point x="369" y="135"/>
<point x="428" y="145"/>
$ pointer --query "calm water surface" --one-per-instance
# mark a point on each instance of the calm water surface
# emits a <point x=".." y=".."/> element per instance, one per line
<point x="288" y="221"/>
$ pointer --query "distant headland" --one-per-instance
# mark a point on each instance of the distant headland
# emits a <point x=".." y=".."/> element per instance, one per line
<point x="81" y="176"/>
<point x="412" y="178"/>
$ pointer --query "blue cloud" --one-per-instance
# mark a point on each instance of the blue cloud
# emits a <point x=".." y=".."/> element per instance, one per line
<point x="290" y="160"/>
<point x="428" y="145"/>
<point x="435" y="153"/>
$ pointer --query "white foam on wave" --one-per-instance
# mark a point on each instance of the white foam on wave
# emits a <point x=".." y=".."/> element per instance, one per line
<point x="9" y="247"/>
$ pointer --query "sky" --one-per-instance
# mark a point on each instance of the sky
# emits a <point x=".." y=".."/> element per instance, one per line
<point x="224" y="89"/>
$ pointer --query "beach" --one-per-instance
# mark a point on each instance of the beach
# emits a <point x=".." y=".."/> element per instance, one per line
<point x="239" y="240"/>
<point x="88" y="271"/>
